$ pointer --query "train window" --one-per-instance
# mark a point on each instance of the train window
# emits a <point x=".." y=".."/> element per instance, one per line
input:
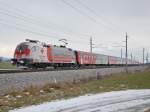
<point x="62" y="52"/>
<point x="58" y="52"/>
<point x="21" y="47"/>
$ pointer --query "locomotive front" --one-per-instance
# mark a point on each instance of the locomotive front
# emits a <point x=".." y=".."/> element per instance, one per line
<point x="22" y="55"/>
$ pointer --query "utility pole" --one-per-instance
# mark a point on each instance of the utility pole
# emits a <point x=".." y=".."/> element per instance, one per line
<point x="143" y="55"/>
<point x="121" y="55"/>
<point x="134" y="58"/>
<point x="91" y="44"/>
<point x="126" y="52"/>
<point x="147" y="58"/>
<point x="131" y="57"/>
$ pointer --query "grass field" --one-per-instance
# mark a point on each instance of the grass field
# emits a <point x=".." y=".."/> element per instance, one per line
<point x="36" y="95"/>
<point x="6" y="65"/>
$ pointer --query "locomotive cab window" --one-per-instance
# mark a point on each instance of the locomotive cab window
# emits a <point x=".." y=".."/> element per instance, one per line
<point x="22" y="47"/>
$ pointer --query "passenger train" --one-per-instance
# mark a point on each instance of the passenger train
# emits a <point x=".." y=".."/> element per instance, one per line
<point x="36" y="54"/>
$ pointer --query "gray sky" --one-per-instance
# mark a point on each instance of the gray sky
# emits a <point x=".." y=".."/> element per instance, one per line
<point x="106" y="21"/>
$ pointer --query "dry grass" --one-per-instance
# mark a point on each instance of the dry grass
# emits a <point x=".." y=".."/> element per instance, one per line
<point x="35" y="95"/>
<point x="6" y="65"/>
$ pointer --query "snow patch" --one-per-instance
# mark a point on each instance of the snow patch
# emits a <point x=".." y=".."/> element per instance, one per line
<point x="116" y="101"/>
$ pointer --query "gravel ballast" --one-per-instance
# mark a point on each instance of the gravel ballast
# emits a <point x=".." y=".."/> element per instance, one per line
<point x="19" y="81"/>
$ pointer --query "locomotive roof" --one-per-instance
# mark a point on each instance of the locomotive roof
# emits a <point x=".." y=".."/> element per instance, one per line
<point x="63" y="47"/>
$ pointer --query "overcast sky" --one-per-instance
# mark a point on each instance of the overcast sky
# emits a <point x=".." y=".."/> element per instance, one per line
<point x="106" y="21"/>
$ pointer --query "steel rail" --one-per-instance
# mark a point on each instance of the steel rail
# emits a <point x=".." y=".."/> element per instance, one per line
<point x="8" y="71"/>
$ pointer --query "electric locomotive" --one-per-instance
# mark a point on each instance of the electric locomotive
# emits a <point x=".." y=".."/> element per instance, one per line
<point x="36" y="54"/>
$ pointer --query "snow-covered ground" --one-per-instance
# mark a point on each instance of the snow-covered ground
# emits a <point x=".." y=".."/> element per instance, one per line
<point x="116" y="101"/>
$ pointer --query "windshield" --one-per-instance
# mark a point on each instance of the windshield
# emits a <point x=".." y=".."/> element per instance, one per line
<point x="21" y="47"/>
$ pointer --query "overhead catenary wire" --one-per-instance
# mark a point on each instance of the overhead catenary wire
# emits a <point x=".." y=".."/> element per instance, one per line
<point x="89" y="17"/>
<point x="27" y="30"/>
<point x="104" y="20"/>
<point x="30" y="18"/>
<point x="14" y="16"/>
<point x="23" y="16"/>
<point x="79" y="11"/>
<point x="17" y="17"/>
<point x="40" y="33"/>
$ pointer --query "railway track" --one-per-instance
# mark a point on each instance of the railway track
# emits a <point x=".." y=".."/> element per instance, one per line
<point x="7" y="71"/>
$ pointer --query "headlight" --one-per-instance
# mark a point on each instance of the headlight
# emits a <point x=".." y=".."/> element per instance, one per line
<point x="12" y="62"/>
<point x="21" y="61"/>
